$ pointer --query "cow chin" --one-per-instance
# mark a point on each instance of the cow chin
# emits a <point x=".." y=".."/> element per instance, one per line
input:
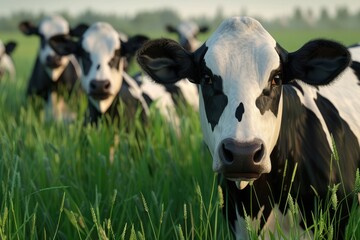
<point x="102" y="105"/>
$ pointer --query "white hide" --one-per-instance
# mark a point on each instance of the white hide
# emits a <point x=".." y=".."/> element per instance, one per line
<point x="243" y="54"/>
<point x="162" y="99"/>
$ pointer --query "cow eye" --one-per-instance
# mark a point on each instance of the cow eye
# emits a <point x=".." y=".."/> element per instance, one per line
<point x="276" y="80"/>
<point x="114" y="62"/>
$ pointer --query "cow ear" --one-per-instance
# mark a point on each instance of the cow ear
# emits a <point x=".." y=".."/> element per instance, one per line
<point x="28" y="28"/>
<point x="171" y="29"/>
<point x="79" y="30"/>
<point x="9" y="47"/>
<point x="63" y="45"/>
<point x="133" y="44"/>
<point x="318" y="62"/>
<point x="165" y="61"/>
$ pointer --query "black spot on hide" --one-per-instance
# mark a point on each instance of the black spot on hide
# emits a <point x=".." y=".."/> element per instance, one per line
<point x="239" y="111"/>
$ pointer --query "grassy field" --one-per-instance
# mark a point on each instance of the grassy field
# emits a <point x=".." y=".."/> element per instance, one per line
<point x="67" y="181"/>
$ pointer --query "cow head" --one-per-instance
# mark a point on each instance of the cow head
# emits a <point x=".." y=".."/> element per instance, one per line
<point x="49" y="26"/>
<point x="6" y="64"/>
<point x="187" y="33"/>
<point x="102" y="55"/>
<point x="240" y="71"/>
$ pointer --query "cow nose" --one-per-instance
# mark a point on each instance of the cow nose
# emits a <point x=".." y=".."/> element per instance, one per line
<point x="100" y="85"/>
<point x="53" y="61"/>
<point x="241" y="159"/>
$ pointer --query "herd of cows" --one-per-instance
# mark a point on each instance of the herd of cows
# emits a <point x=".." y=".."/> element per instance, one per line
<point x="263" y="111"/>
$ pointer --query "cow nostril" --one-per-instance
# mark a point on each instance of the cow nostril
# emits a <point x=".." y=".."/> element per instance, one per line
<point x="228" y="155"/>
<point x="258" y="155"/>
<point x="92" y="85"/>
<point x="107" y="85"/>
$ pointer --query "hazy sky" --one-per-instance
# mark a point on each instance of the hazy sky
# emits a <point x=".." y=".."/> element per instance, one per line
<point x="186" y="8"/>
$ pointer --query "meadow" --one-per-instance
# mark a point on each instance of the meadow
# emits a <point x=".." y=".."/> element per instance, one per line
<point x="69" y="181"/>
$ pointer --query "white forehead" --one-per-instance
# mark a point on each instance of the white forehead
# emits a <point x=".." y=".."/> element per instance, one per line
<point x="53" y="25"/>
<point x="188" y="28"/>
<point x="101" y="39"/>
<point x="241" y="44"/>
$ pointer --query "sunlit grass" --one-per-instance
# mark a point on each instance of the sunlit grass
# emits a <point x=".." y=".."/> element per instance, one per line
<point x="69" y="181"/>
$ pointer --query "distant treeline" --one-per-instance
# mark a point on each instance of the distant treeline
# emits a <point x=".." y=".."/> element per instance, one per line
<point x="153" y="22"/>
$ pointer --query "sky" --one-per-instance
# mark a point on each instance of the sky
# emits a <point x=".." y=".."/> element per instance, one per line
<point x="186" y="8"/>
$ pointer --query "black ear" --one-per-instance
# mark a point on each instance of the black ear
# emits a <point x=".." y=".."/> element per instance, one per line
<point x="64" y="45"/>
<point x="318" y="62"/>
<point x="203" y="29"/>
<point x="165" y="61"/>
<point x="130" y="47"/>
<point x="28" y="28"/>
<point x="79" y="30"/>
<point x="171" y="29"/>
<point x="9" y="47"/>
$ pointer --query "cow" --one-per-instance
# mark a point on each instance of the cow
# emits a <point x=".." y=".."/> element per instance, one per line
<point x="103" y="54"/>
<point x="53" y="76"/>
<point x="271" y="118"/>
<point x="187" y="32"/>
<point x="6" y="63"/>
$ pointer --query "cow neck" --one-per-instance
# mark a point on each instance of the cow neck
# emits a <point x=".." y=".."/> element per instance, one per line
<point x="66" y="81"/>
<point x="95" y="115"/>
<point x="300" y="138"/>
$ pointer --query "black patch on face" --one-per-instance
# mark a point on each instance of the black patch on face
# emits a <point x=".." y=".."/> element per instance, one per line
<point x="215" y="100"/>
<point x="269" y="100"/>
<point x="115" y="60"/>
<point x="355" y="66"/>
<point x="239" y="111"/>
<point x="85" y="61"/>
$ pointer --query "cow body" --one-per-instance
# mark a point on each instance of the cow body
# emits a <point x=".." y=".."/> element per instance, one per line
<point x="53" y="77"/>
<point x="103" y="55"/>
<point x="266" y="113"/>
<point x="6" y="63"/>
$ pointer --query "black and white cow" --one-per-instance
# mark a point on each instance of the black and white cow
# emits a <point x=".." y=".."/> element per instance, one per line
<point x="6" y="63"/>
<point x="102" y="54"/>
<point x="265" y="111"/>
<point x="187" y="32"/>
<point x="51" y="72"/>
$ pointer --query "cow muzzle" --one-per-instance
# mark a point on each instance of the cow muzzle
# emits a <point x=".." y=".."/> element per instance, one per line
<point x="53" y="61"/>
<point x="100" y="89"/>
<point x="242" y="160"/>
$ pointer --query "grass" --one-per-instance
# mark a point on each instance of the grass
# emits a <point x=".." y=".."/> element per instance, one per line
<point x="66" y="181"/>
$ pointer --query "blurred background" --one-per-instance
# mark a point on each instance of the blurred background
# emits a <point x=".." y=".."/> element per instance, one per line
<point x="151" y="16"/>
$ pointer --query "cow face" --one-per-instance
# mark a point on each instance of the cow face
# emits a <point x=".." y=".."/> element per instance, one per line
<point x="102" y="55"/>
<point x="48" y="27"/>
<point x="187" y="33"/>
<point x="240" y="71"/>
<point x="6" y="64"/>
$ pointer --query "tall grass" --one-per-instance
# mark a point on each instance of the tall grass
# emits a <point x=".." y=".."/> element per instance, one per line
<point x="69" y="181"/>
